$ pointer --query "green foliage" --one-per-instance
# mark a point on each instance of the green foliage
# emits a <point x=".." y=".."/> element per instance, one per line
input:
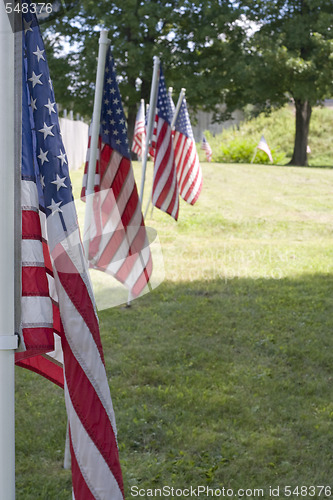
<point x="289" y="52"/>
<point x="237" y="145"/>
<point x="176" y="31"/>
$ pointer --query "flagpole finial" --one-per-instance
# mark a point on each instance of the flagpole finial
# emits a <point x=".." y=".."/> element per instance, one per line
<point x="103" y="37"/>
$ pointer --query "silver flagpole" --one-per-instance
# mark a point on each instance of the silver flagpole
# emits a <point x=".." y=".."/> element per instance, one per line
<point x="8" y="339"/>
<point x="150" y="124"/>
<point x="104" y="43"/>
<point x="174" y="119"/>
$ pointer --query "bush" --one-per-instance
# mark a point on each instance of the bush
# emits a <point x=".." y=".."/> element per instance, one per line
<point x="242" y="150"/>
<point x="237" y="145"/>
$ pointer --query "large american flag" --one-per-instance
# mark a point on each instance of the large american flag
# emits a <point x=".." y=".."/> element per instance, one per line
<point x="165" y="188"/>
<point x="139" y="137"/>
<point x="58" y="312"/>
<point x="118" y="239"/>
<point x="189" y="174"/>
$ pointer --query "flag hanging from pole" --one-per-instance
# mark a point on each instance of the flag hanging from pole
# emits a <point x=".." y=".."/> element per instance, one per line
<point x="139" y="137"/>
<point x="165" y="189"/>
<point x="206" y="147"/>
<point x="189" y="174"/>
<point x="263" y="146"/>
<point x="172" y="104"/>
<point x="58" y="311"/>
<point x="118" y="240"/>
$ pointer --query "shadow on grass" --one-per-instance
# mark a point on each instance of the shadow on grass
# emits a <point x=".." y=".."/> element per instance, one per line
<point x="225" y="383"/>
<point x="214" y="383"/>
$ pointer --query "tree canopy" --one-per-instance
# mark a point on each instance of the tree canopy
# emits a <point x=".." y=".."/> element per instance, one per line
<point x="259" y="52"/>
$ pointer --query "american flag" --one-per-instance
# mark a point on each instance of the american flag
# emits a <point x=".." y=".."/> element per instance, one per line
<point x="57" y="296"/>
<point x="165" y="188"/>
<point x="206" y="147"/>
<point x="172" y="104"/>
<point x="139" y="138"/>
<point x="118" y="239"/>
<point x="189" y="174"/>
<point x="264" y="147"/>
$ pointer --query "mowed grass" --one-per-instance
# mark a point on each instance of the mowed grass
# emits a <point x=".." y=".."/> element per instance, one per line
<point x="221" y="376"/>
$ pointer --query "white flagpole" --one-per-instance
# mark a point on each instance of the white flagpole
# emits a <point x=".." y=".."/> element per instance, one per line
<point x="255" y="154"/>
<point x="151" y="116"/>
<point x="8" y="339"/>
<point x="174" y="119"/>
<point x="103" y="46"/>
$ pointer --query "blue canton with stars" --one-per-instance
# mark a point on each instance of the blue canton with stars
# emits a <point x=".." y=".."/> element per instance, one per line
<point x="113" y="122"/>
<point x="164" y="109"/>
<point x="183" y="124"/>
<point x="43" y="153"/>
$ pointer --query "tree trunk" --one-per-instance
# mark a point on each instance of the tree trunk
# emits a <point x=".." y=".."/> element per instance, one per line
<point x="303" y="115"/>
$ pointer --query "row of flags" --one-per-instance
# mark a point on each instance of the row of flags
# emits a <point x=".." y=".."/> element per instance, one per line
<point x="118" y="243"/>
<point x="60" y="336"/>
<point x="177" y="171"/>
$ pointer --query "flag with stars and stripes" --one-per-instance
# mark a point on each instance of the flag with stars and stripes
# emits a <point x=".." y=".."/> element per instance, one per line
<point x="165" y="189"/>
<point x="264" y="147"/>
<point x="172" y="104"/>
<point x="189" y="174"/>
<point x="60" y="329"/>
<point x="139" y="137"/>
<point x="118" y="243"/>
<point x="206" y="148"/>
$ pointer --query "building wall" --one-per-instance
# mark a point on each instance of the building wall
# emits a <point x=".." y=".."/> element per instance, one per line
<point x="204" y="121"/>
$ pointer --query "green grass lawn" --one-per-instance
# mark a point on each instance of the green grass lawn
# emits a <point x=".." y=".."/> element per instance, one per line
<point x="222" y="376"/>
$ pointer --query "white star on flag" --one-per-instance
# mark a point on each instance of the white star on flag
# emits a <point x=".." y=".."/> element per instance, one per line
<point x="33" y="104"/>
<point x="59" y="182"/>
<point x="42" y="156"/>
<point x="39" y="54"/>
<point x="50" y="106"/>
<point x="46" y="130"/>
<point x="27" y="26"/>
<point x="55" y="207"/>
<point x="35" y="79"/>
<point x="62" y="158"/>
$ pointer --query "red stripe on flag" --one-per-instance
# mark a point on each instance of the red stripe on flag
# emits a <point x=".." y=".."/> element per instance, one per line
<point x="143" y="279"/>
<point x="91" y="412"/>
<point x="37" y="340"/>
<point x="78" y="294"/>
<point x="34" y="282"/>
<point x="31" y="229"/>
<point x="80" y="487"/>
<point x="42" y="366"/>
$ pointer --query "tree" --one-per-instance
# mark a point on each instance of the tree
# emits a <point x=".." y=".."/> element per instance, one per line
<point x="287" y="53"/>
<point x="177" y="31"/>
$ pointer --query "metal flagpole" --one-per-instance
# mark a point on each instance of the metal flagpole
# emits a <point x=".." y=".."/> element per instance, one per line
<point x="151" y="116"/>
<point x="8" y="339"/>
<point x="104" y="43"/>
<point x="174" y="119"/>
<point x="255" y="154"/>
